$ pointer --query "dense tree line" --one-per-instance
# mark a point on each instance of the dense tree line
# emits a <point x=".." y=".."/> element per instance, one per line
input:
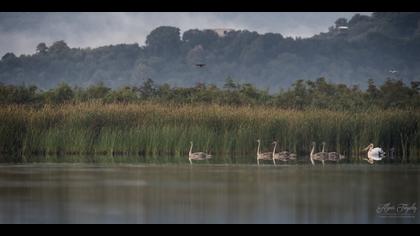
<point x="351" y="52"/>
<point x="301" y="95"/>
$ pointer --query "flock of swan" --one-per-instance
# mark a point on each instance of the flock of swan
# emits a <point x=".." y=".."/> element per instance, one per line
<point x="373" y="154"/>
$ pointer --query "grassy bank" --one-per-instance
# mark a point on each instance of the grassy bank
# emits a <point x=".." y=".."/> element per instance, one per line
<point x="150" y="129"/>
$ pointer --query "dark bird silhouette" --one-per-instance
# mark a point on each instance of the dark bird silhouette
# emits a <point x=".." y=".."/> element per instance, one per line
<point x="200" y="65"/>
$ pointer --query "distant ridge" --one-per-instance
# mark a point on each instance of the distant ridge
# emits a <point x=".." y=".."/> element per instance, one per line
<point x="351" y="52"/>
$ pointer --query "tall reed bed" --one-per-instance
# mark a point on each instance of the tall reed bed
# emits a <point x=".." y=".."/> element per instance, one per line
<point x="153" y="130"/>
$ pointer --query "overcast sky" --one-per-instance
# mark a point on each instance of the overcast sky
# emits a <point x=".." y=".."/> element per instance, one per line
<point x="21" y="32"/>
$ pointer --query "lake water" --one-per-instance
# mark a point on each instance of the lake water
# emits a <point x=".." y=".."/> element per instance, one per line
<point x="205" y="193"/>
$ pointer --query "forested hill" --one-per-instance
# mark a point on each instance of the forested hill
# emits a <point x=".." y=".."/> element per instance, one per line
<point x="364" y="47"/>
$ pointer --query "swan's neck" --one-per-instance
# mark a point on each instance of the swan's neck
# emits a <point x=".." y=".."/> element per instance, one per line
<point x="274" y="150"/>
<point x="191" y="148"/>
<point x="312" y="151"/>
<point x="323" y="147"/>
<point x="258" y="149"/>
<point x="370" y="149"/>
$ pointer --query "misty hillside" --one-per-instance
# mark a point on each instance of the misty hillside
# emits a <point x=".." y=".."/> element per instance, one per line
<point x="353" y="51"/>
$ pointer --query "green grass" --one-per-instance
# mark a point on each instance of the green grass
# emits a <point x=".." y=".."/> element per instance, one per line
<point x="154" y="130"/>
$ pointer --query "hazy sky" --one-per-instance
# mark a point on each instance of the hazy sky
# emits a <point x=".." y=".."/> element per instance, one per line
<point x="21" y="32"/>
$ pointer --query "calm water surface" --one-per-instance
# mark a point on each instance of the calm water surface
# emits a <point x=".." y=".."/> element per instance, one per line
<point x="203" y="193"/>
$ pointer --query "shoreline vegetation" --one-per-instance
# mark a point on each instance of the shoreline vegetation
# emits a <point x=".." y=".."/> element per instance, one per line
<point x="146" y="126"/>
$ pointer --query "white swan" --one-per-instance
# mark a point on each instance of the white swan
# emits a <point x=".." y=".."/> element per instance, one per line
<point x="282" y="156"/>
<point x="263" y="156"/>
<point x="198" y="156"/>
<point x="320" y="156"/>
<point x="374" y="154"/>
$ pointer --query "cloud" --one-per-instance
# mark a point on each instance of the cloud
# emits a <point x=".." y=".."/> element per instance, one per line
<point x="21" y="32"/>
